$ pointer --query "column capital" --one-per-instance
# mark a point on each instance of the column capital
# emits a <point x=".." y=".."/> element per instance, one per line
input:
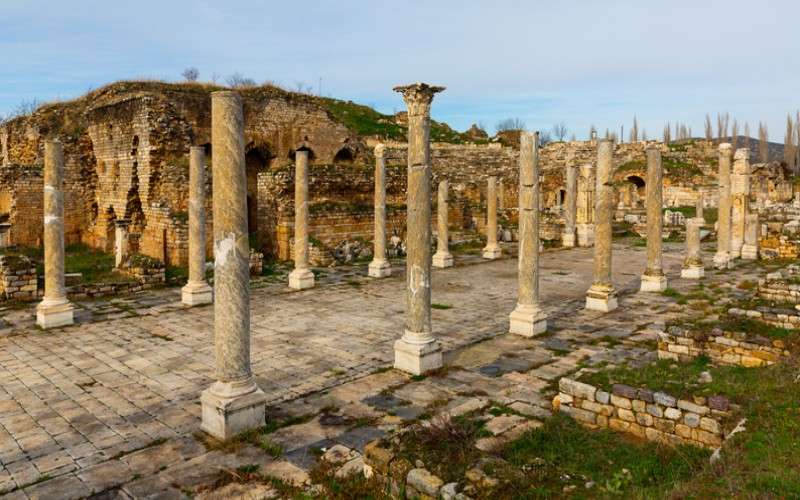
<point x="725" y="148"/>
<point x="418" y="97"/>
<point x="122" y="223"/>
<point x="380" y="150"/>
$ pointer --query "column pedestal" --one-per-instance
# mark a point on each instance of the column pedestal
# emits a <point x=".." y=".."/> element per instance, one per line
<point x="197" y="292"/>
<point x="568" y="240"/>
<point x="692" y="271"/>
<point x="749" y="252"/>
<point x="492" y="252"/>
<point x="442" y="259"/>
<point x="54" y="313"/>
<point x="585" y="235"/>
<point x="653" y="283"/>
<point x="722" y="260"/>
<point x="230" y="408"/>
<point x="300" y="279"/>
<point x="417" y="359"/>
<point x="601" y="298"/>
<point x="380" y="268"/>
<point x="527" y="321"/>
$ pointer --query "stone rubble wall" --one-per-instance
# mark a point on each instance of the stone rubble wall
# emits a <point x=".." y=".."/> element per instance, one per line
<point x="723" y="348"/>
<point x="779" y="290"/>
<point x="645" y="413"/>
<point x="19" y="280"/>
<point x="778" y="247"/>
<point x="782" y="318"/>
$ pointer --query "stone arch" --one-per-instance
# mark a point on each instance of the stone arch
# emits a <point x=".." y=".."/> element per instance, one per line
<point x="303" y="146"/>
<point x="640" y="185"/>
<point x="135" y="146"/>
<point x="345" y="155"/>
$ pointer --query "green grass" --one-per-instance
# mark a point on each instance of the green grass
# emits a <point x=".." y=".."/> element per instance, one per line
<point x="442" y="307"/>
<point x="659" y="375"/>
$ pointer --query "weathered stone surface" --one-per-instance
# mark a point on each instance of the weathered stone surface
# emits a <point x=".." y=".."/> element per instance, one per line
<point x="718" y="403"/>
<point x="424" y="482"/>
<point x="664" y="399"/>
<point x="577" y="389"/>
<point x="197" y="290"/>
<point x="601" y="295"/>
<point x="654" y="279"/>
<point x="624" y="391"/>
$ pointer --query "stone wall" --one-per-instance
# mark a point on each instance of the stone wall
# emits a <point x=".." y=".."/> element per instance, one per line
<point x="723" y="348"/>
<point x="18" y="279"/>
<point x="776" y="288"/>
<point x="782" y="318"/>
<point x="645" y="413"/>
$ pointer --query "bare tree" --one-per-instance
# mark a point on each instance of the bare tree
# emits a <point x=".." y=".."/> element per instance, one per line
<point x="214" y="78"/>
<point x="763" y="142"/>
<point x="510" y="124"/>
<point x="238" y="80"/>
<point x="560" y="131"/>
<point x="797" y="138"/>
<point x="544" y="138"/>
<point x="190" y="74"/>
<point x="746" y="135"/>
<point x="634" y="131"/>
<point x="25" y="107"/>
<point x="572" y="138"/>
<point x="725" y="119"/>
<point x="789" y="142"/>
<point x="667" y="134"/>
<point x="709" y="130"/>
<point x="735" y="134"/>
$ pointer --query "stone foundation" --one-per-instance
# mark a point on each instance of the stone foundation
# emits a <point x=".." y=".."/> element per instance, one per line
<point x="18" y="279"/>
<point x="723" y="348"/>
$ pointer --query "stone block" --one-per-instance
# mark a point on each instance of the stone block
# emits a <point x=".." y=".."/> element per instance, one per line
<point x="626" y="415"/>
<point x="710" y="425"/>
<point x="577" y="389"/>
<point x="655" y="410"/>
<point x="624" y="391"/>
<point x="644" y="419"/>
<point x="639" y="405"/>
<point x="691" y="420"/>
<point x="751" y="362"/>
<point x="646" y="395"/>
<point x="621" y="402"/>
<point x="602" y="397"/>
<point x="424" y="482"/>
<point x="718" y="403"/>
<point x="692" y="407"/>
<point x="673" y="413"/>
<point x="225" y="417"/>
<point x="664" y="399"/>
<point x="664" y="425"/>
<point x="377" y="457"/>
<point x="417" y="359"/>
<point x="618" y="425"/>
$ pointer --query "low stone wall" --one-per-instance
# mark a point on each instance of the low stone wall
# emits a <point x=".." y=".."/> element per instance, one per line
<point x="645" y="413"/>
<point x="723" y="348"/>
<point x="778" y="290"/>
<point x="19" y="280"/>
<point x="782" y="318"/>
<point x="93" y="290"/>
<point x="145" y="270"/>
<point x="778" y="248"/>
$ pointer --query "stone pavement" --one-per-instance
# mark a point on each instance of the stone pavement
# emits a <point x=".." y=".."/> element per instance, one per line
<point x="112" y="405"/>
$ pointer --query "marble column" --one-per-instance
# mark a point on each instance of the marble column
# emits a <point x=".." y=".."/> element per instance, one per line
<point x="584" y="218"/>
<point x="501" y="195"/>
<point x="693" y="263"/>
<point x="418" y="351"/>
<point x="492" y="249"/>
<point x="234" y="403"/>
<point x="197" y="290"/>
<point x="442" y="257"/>
<point x="750" y="247"/>
<point x="740" y="196"/>
<point x="722" y="259"/>
<point x="121" y="240"/>
<point x="653" y="279"/>
<point x="4" y="232"/>
<point x="528" y="319"/>
<point x="302" y="277"/>
<point x="54" y="310"/>
<point x="570" y="207"/>
<point x="699" y="206"/>
<point x="601" y="296"/>
<point x="380" y="267"/>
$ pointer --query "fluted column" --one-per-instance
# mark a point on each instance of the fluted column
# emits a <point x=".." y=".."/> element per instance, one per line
<point x="302" y="277"/>
<point x="54" y="310"/>
<point x="750" y="247"/>
<point x="418" y="351"/>
<point x="693" y="263"/>
<point x="570" y="206"/>
<point x="601" y="296"/>
<point x="197" y="290"/>
<point x="653" y="279"/>
<point x="380" y="267"/>
<point x="740" y="194"/>
<point x="234" y="403"/>
<point x="528" y="319"/>
<point x="722" y="259"/>
<point x="492" y="249"/>
<point x="442" y="257"/>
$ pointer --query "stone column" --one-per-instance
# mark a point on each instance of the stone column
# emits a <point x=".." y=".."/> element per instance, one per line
<point x="698" y="212"/>
<point x="570" y="207"/>
<point x="528" y="319"/>
<point x="54" y="310"/>
<point x="442" y="257"/>
<point x="492" y="249"/>
<point x="302" y="277"/>
<point x="693" y="263"/>
<point x="750" y="247"/>
<point x="418" y="351"/>
<point x="585" y="215"/>
<point x="740" y="195"/>
<point x="234" y="403"/>
<point x="501" y="195"/>
<point x="601" y="296"/>
<point x="4" y="240"/>
<point x="380" y="267"/>
<point x="121" y="240"/>
<point x="722" y="259"/>
<point x="197" y="290"/>
<point x="653" y="279"/>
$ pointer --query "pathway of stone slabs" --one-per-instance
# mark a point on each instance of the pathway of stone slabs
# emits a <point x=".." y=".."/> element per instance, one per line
<point x="112" y="405"/>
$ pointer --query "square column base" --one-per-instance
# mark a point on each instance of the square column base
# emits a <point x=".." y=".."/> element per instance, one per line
<point x="693" y="272"/>
<point x="225" y="417"/>
<point x="417" y="359"/>
<point x="300" y="279"/>
<point x="442" y="259"/>
<point x="601" y="300"/>
<point x="492" y="252"/>
<point x="749" y="252"/>
<point x="653" y="283"/>
<point x="380" y="269"/>
<point x="722" y="261"/>
<point x="585" y="235"/>
<point x="54" y="314"/>
<point x="527" y="321"/>
<point x="568" y="240"/>
<point x="194" y="294"/>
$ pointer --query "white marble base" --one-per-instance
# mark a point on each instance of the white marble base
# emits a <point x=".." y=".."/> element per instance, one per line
<point x="749" y="252"/>
<point x="653" y="283"/>
<point x="722" y="260"/>
<point x="491" y="252"/>
<point x="527" y="321"/>
<point x="196" y="293"/>
<point x="380" y="268"/>
<point x="442" y="259"/>
<point x="417" y="359"/>
<point x="693" y="272"/>
<point x="227" y="413"/>
<point x="54" y="313"/>
<point x="300" y="279"/>
<point x="568" y="240"/>
<point x="601" y="300"/>
<point x="585" y="235"/>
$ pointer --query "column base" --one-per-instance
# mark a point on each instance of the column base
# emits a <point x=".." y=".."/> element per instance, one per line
<point x="492" y="251"/>
<point x="601" y="298"/>
<point x="527" y="321"/>
<point x="300" y="279"/>
<point x="693" y="272"/>
<point x="722" y="260"/>
<point x="54" y="313"/>
<point x="736" y="249"/>
<point x="417" y="359"/>
<point x="228" y="412"/>
<point x="442" y="259"/>
<point x="196" y="293"/>
<point x="568" y="240"/>
<point x="380" y="268"/>
<point x="749" y="252"/>
<point x="653" y="283"/>
<point x="585" y="235"/>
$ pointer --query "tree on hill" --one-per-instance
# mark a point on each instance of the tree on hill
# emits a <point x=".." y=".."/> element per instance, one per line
<point x="190" y="74"/>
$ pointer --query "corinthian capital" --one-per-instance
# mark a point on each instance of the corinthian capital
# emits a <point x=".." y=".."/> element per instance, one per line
<point x="418" y="97"/>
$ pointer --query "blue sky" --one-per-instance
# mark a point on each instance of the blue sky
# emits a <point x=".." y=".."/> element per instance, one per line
<point x="578" y="61"/>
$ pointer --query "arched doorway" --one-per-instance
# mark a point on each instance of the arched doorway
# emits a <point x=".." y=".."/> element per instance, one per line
<point x="256" y="160"/>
